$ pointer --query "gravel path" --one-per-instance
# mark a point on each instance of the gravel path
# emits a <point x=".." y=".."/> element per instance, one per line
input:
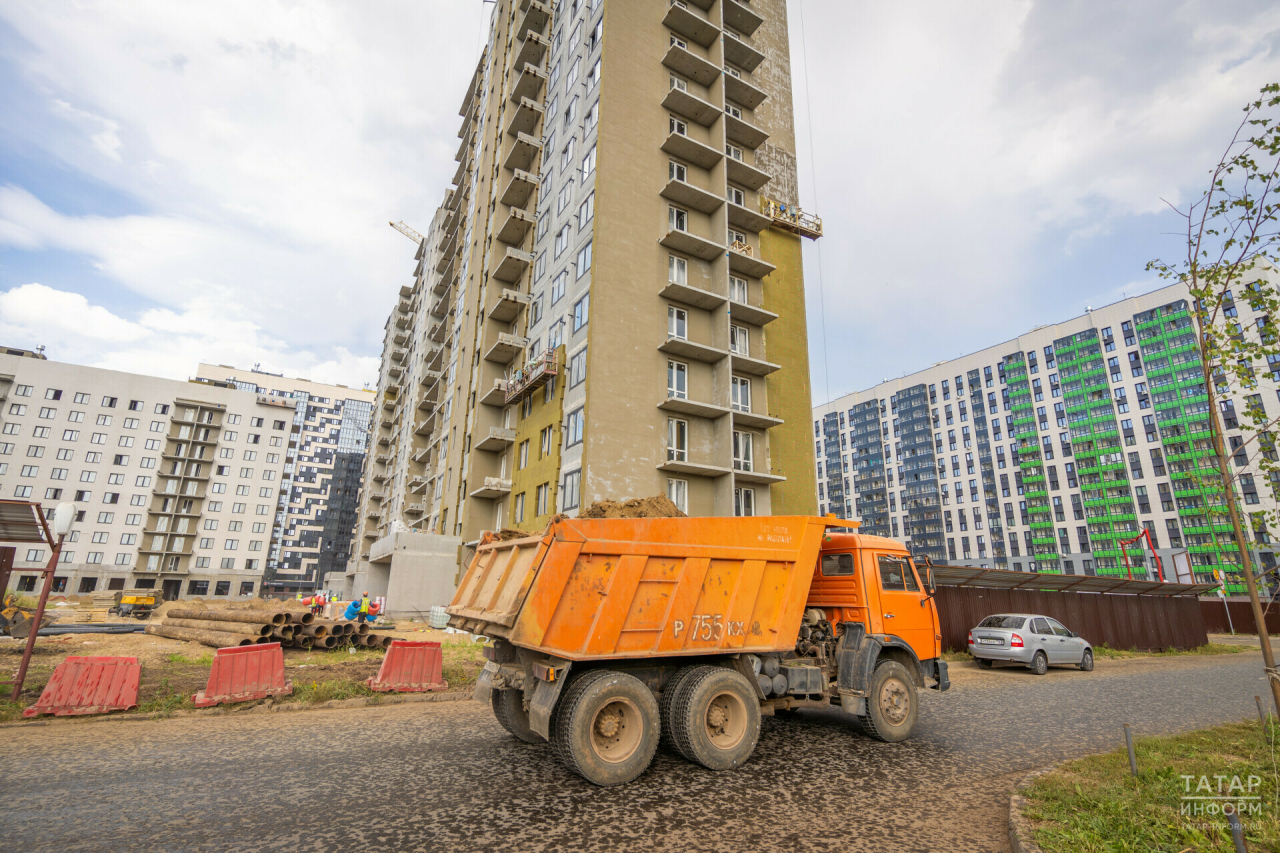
<point x="446" y="777"/>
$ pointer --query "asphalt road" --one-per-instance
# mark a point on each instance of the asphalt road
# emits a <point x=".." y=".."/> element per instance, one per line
<point x="446" y="777"/>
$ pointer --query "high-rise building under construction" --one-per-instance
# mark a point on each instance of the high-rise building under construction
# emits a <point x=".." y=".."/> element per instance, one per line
<point x="610" y="301"/>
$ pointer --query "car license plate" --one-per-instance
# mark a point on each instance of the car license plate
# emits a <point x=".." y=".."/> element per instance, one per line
<point x="986" y="641"/>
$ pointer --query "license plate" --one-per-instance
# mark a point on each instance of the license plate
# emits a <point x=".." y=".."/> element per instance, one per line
<point x="989" y="642"/>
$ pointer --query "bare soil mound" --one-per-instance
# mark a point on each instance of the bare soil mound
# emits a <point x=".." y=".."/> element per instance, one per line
<point x="659" y="506"/>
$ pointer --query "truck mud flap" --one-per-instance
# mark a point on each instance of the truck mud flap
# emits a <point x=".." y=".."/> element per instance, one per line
<point x="855" y="659"/>
<point x="944" y="681"/>
<point x="484" y="684"/>
<point x="545" y="696"/>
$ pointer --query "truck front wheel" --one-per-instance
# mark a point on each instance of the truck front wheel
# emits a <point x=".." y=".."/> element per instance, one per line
<point x="892" y="705"/>
<point x="508" y="707"/>
<point x="606" y="727"/>
<point x="715" y="718"/>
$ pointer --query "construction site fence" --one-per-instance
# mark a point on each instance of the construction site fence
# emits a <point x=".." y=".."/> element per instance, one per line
<point x="1214" y="612"/>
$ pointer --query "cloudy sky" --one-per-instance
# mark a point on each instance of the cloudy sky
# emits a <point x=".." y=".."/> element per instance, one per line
<point x="183" y="182"/>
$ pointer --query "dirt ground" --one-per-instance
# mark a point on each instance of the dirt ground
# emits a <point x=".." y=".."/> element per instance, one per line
<point x="174" y="670"/>
<point x="659" y="506"/>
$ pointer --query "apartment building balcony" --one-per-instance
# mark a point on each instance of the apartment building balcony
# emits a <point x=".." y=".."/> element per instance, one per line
<point x="742" y="132"/>
<point x="506" y="348"/>
<point x="496" y="439"/>
<point x="691" y="244"/>
<point x="691" y="150"/>
<point x="399" y="354"/>
<point x="743" y="260"/>
<point x="697" y="469"/>
<point x="512" y="264"/>
<point x="378" y="496"/>
<point x="757" y="478"/>
<point x="519" y="189"/>
<point x="465" y="145"/>
<point x="528" y="83"/>
<point x="426" y="425"/>
<point x="371" y="534"/>
<point x="518" y="224"/>
<point x="525" y="117"/>
<point x="456" y="211"/>
<point x="440" y="307"/>
<point x="379" y="476"/>
<point x="753" y="420"/>
<point x="690" y="295"/>
<point x="400" y="338"/>
<point x="752" y="366"/>
<point x="688" y="195"/>
<point x="416" y="484"/>
<point x="438" y="332"/>
<point x="752" y="314"/>
<point x="384" y="440"/>
<point x="523" y="153"/>
<point x="445" y="266"/>
<point x="429" y="377"/>
<point x="448" y="246"/>
<point x="395" y="371"/>
<point x="434" y="360"/>
<point x="385" y="422"/>
<point x="742" y="91"/>
<point x="744" y="174"/>
<point x="508" y="306"/>
<point x="685" y="406"/>
<point x="375" y="514"/>
<point x="684" y="348"/>
<point x="534" y="19"/>
<point x="415" y="508"/>
<point x="695" y="109"/>
<point x="493" y="487"/>
<point x="382" y="459"/>
<point x="741" y="52"/>
<point x="683" y="20"/>
<point x="747" y="219"/>
<point x="421" y="456"/>
<point x="460" y="174"/>
<point x="684" y="61"/>
<point x="532" y="49"/>
<point x="445" y="282"/>
<point x="403" y="306"/>
<point x="497" y="395"/>
<point x="427" y="400"/>
<point x="741" y="17"/>
<point x="403" y="322"/>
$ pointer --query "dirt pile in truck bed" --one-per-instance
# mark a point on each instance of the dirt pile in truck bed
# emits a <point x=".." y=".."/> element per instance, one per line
<point x="659" y="506"/>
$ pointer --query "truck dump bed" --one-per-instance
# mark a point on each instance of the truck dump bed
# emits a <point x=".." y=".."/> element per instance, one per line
<point x="594" y="589"/>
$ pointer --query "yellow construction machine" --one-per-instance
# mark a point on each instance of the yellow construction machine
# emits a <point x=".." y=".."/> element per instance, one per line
<point x="17" y="621"/>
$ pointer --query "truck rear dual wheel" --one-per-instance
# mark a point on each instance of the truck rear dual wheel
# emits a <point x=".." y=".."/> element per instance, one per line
<point x="715" y="718"/>
<point x="667" y="701"/>
<point x="606" y="727"/>
<point x="892" y="704"/>
<point x="508" y="707"/>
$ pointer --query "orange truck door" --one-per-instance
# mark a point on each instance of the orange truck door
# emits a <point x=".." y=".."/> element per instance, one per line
<point x="900" y="597"/>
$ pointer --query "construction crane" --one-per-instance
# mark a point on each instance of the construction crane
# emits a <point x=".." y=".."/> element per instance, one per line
<point x="407" y="231"/>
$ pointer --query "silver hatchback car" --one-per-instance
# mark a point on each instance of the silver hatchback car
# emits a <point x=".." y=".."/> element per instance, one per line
<point x="1032" y="640"/>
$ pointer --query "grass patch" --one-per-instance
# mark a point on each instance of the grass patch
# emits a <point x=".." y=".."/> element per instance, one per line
<point x="316" y="692"/>
<point x="200" y="660"/>
<point x="1093" y="804"/>
<point x="10" y="711"/>
<point x="1105" y="652"/>
<point x="166" y="700"/>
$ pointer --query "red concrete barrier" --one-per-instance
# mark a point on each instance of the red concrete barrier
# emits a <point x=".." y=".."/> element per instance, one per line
<point x="245" y="673"/>
<point x="89" y="685"/>
<point x="411" y="667"/>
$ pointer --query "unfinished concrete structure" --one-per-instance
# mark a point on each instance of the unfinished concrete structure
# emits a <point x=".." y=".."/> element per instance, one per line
<point x="610" y="301"/>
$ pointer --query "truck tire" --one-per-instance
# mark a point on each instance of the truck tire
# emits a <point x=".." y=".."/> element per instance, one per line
<point x="508" y="707"/>
<point x="606" y="727"/>
<point x="715" y="720"/>
<point x="892" y="703"/>
<point x="667" y="700"/>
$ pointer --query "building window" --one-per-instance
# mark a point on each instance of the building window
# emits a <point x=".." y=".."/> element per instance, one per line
<point x="677" y="323"/>
<point x="578" y="368"/>
<point x="519" y="508"/>
<point x="677" y="270"/>
<point x="570" y="498"/>
<point x="573" y="428"/>
<point x="197" y="587"/>
<point x="677" y="219"/>
<point x="581" y="311"/>
<point x="678" y="494"/>
<point x="738" y="290"/>
<point x="740" y="394"/>
<point x="677" y="440"/>
<point x="744" y="502"/>
<point x="584" y="260"/>
<point x="739" y="340"/>
<point x="540" y="495"/>
<point x="677" y="380"/>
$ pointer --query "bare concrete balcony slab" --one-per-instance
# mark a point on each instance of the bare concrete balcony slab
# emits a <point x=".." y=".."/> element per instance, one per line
<point x="692" y="407"/>
<point x="492" y="487"/>
<point x="741" y="17"/>
<point x="523" y="153"/>
<point x="690" y="295"/>
<point x="534" y="20"/>
<point x="506" y="348"/>
<point x="747" y="264"/>
<point x="742" y="132"/>
<point x="528" y="83"/>
<point x="509" y="305"/>
<point x="692" y="350"/>
<point x="757" y="478"/>
<point x="697" y="469"/>
<point x="686" y="194"/>
<point x="744" y="174"/>
<point x="742" y="91"/>
<point x="438" y="332"/>
<point x="752" y="366"/>
<point x="525" y="117"/>
<point x="697" y="68"/>
<point x="519" y="189"/>
<point x="752" y="314"/>
<point x="748" y="219"/>
<point x="754" y="421"/>
<point x="460" y="174"/>
<point x="691" y="25"/>
<point x="692" y="244"/>
<point x="692" y="151"/>
<point x="511" y="264"/>
<point x="496" y="439"/>
<point x="497" y="395"/>
<point x="692" y="107"/>
<point x="741" y="53"/>
<point x="518" y="223"/>
<point x="532" y="49"/>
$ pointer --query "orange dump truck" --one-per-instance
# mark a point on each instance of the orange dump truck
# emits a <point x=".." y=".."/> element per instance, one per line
<point x="610" y="634"/>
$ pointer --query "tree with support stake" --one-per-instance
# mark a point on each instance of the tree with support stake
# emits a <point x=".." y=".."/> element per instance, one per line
<point x="1232" y="241"/>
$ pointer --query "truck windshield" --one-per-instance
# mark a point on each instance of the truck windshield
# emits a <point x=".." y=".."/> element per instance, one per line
<point x="837" y="564"/>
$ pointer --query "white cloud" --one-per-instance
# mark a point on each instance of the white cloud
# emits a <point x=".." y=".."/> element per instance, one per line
<point x="163" y="342"/>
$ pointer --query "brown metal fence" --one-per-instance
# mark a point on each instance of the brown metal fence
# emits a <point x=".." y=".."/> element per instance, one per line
<point x="1120" y="621"/>
<point x="1215" y="617"/>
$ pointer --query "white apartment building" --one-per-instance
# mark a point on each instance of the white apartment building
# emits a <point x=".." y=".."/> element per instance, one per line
<point x="176" y="483"/>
